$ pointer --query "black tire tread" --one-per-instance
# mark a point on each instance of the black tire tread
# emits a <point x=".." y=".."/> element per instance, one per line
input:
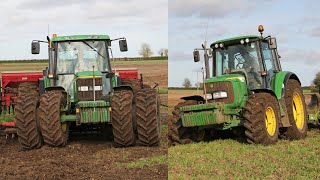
<point x="28" y="132"/>
<point x="254" y="119"/>
<point x="49" y="118"/>
<point x="121" y="118"/>
<point x="147" y="117"/>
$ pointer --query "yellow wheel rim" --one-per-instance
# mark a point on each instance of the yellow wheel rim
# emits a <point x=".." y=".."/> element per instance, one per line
<point x="298" y="110"/>
<point x="271" y="122"/>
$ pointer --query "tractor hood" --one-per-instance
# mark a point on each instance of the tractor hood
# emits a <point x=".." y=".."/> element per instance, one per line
<point x="88" y="74"/>
<point x="230" y="89"/>
<point x="227" y="77"/>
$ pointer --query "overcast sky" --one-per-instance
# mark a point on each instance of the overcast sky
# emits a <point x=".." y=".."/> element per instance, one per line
<point x="295" y="24"/>
<point x="140" y="21"/>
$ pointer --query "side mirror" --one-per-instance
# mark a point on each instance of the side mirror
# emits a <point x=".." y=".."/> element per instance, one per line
<point x="196" y="56"/>
<point x="110" y="75"/>
<point x="272" y="43"/>
<point x="35" y="47"/>
<point x="123" y="45"/>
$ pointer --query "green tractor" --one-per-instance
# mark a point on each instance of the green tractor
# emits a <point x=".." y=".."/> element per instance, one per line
<point x="80" y="90"/>
<point x="246" y="92"/>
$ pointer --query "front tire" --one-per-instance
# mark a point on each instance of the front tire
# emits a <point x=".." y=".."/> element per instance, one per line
<point x="53" y="131"/>
<point x="261" y="119"/>
<point x="177" y="133"/>
<point x="121" y="118"/>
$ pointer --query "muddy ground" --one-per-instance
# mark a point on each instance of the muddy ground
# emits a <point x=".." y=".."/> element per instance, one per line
<point x="85" y="157"/>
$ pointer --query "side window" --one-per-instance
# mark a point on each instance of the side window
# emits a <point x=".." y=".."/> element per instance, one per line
<point x="269" y="62"/>
<point x="219" y="64"/>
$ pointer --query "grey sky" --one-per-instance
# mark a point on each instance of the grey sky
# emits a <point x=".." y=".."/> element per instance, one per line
<point x="296" y="24"/>
<point x="140" y="21"/>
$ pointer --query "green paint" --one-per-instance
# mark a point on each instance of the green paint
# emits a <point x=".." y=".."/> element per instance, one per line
<point x="218" y="114"/>
<point x="88" y="73"/>
<point x="278" y="83"/>
<point x="68" y="118"/>
<point x="80" y="37"/>
<point x="94" y="112"/>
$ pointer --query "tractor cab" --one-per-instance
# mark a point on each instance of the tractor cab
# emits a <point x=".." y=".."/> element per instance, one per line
<point x="76" y="60"/>
<point x="253" y="57"/>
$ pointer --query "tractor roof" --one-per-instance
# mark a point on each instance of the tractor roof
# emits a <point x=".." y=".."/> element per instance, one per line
<point x="80" y="37"/>
<point x="235" y="39"/>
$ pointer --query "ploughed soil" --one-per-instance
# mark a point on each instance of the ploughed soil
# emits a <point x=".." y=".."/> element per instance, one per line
<point x="152" y="72"/>
<point x="85" y="157"/>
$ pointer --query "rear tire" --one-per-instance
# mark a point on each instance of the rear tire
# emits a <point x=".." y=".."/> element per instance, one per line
<point x="53" y="131"/>
<point x="28" y="130"/>
<point x="148" y="122"/>
<point x="261" y="119"/>
<point x="121" y="118"/>
<point x="296" y="109"/>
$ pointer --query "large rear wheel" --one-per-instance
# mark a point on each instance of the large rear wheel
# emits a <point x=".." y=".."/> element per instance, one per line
<point x="148" y="122"/>
<point x="121" y="118"/>
<point x="296" y="110"/>
<point x="261" y="119"/>
<point x="53" y="131"/>
<point x="26" y="122"/>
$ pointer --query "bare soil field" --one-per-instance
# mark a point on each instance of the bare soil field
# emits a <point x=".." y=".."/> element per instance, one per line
<point x="89" y="156"/>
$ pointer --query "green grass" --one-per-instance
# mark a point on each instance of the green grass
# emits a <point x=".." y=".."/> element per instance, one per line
<point x="6" y="117"/>
<point x="229" y="159"/>
<point x="143" y="162"/>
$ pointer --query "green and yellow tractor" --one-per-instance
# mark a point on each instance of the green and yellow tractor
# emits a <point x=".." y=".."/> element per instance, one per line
<point x="80" y="90"/>
<point x="246" y="92"/>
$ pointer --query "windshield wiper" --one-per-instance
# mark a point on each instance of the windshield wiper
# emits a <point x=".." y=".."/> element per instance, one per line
<point x="92" y="48"/>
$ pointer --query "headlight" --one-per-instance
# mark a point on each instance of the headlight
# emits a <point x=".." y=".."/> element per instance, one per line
<point x="209" y="96"/>
<point x="219" y="95"/>
<point x="83" y="88"/>
<point x="216" y="45"/>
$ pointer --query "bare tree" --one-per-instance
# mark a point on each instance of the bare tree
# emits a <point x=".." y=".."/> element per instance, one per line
<point x="145" y="50"/>
<point x="163" y="52"/>
<point x="186" y="83"/>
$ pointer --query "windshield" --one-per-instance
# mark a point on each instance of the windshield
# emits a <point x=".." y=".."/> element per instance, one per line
<point x="76" y="56"/>
<point x="240" y="59"/>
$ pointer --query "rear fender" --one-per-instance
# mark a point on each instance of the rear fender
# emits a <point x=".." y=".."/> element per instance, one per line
<point x="280" y="81"/>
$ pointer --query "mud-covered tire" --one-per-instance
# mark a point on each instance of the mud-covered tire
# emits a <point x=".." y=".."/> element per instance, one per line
<point x="293" y="132"/>
<point x="54" y="133"/>
<point x="133" y="83"/>
<point x="27" y="88"/>
<point x="28" y="131"/>
<point x="255" y="123"/>
<point x="147" y="117"/>
<point x="121" y="118"/>
<point x="177" y="134"/>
